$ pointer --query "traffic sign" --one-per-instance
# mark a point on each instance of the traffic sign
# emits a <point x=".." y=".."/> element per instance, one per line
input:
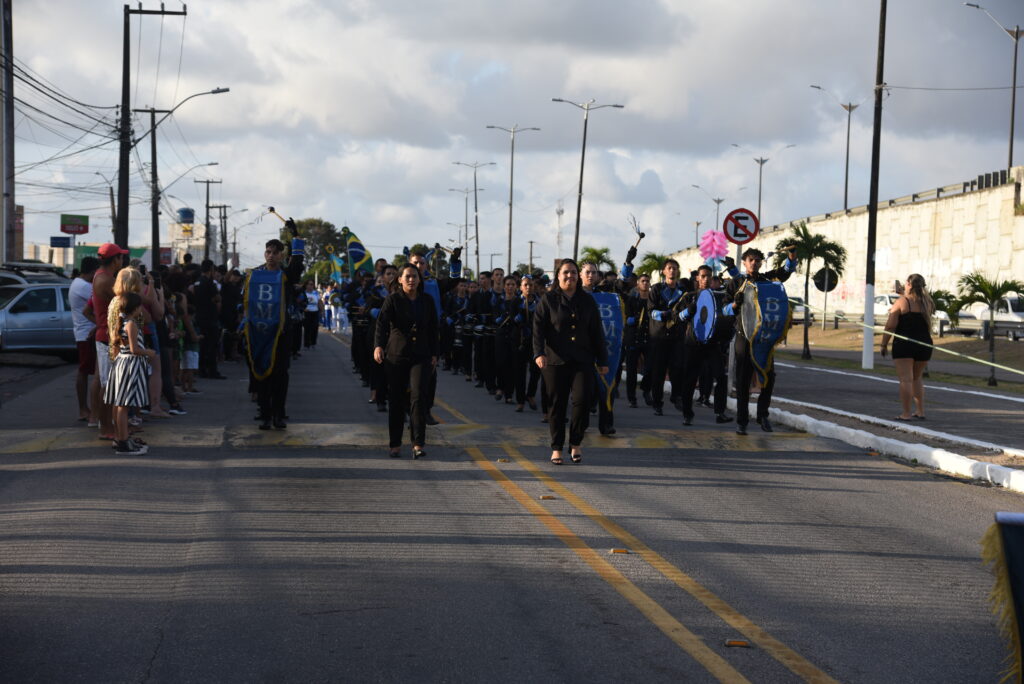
<point x="60" y="241"/>
<point x="740" y="226"/>
<point x="74" y="224"/>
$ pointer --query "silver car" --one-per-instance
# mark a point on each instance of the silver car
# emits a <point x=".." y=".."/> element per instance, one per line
<point x="36" y="316"/>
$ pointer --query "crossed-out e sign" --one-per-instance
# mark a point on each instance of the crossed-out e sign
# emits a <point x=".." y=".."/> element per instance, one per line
<point x="741" y="226"/>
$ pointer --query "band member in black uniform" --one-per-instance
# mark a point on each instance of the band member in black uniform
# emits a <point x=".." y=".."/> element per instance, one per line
<point x="374" y="300"/>
<point x="508" y="320"/>
<point x="267" y="327"/>
<point x="359" y="319"/>
<point x="527" y="373"/>
<point x="481" y="308"/>
<point x="591" y="279"/>
<point x="701" y="354"/>
<point x="568" y="342"/>
<point x="437" y="289"/>
<point x="664" y="344"/>
<point x="635" y="336"/>
<point x="406" y="344"/>
<point x="455" y="312"/>
<point x="752" y="260"/>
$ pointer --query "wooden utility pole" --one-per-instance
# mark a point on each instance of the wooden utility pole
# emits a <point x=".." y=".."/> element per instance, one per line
<point x="8" y="240"/>
<point x="207" y="233"/>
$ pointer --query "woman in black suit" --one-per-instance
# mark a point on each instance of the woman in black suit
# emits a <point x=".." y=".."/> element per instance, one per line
<point x="407" y="343"/>
<point x="568" y="346"/>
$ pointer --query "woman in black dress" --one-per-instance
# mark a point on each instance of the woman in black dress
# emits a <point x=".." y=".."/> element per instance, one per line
<point x="568" y="344"/>
<point x="406" y="343"/>
<point x="911" y="316"/>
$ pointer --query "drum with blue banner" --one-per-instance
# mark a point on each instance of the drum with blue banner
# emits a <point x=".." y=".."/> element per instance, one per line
<point x="766" y="317"/>
<point x="706" y="318"/>
<point x="613" y="321"/>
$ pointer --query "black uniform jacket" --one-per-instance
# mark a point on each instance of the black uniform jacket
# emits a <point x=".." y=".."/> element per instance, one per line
<point x="568" y="329"/>
<point x="407" y="330"/>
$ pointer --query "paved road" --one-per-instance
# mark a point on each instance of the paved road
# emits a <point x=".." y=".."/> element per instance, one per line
<point x="230" y="554"/>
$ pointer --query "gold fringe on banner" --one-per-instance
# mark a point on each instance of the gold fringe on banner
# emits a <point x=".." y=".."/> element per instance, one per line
<point x="1001" y="599"/>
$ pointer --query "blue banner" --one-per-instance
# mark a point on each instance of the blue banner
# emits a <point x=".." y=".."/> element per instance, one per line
<point x="766" y="318"/>
<point x="264" y="319"/>
<point x="613" y="320"/>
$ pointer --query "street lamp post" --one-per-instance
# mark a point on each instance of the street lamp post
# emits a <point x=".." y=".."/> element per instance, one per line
<point x="155" y="198"/>
<point x="476" y="206"/>
<point x="1015" y="37"/>
<point x="492" y="255"/>
<point x="761" y="161"/>
<point x="717" y="200"/>
<point x="511" y="173"/>
<point x="586" y="107"/>
<point x="849" y="107"/>
<point x="696" y="235"/>
<point x="465" y="192"/>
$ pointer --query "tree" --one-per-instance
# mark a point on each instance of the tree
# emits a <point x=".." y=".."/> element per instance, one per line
<point x="950" y="304"/>
<point x="974" y="287"/>
<point x="318" y="234"/>
<point x="809" y="246"/>
<point x="651" y="263"/>
<point x="525" y="268"/>
<point x="599" y="256"/>
<point x="438" y="261"/>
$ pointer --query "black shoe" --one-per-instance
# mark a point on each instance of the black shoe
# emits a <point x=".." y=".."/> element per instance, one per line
<point x="366" y="383"/>
<point x="497" y="396"/>
<point x="519" y="408"/>
<point x="608" y="432"/>
<point x="741" y="429"/>
<point x="765" y="424"/>
<point x="707" y="403"/>
<point x="722" y="418"/>
<point x="658" y="411"/>
<point x="479" y="383"/>
<point x="632" y="403"/>
<point x="532" y="403"/>
<point x="265" y="424"/>
<point x="678" y="403"/>
<point x="418" y="453"/>
<point x="431" y="420"/>
<point x="382" y="408"/>
<point x="279" y="424"/>
<point x="395" y="454"/>
<point x="647" y="397"/>
<point x="687" y="420"/>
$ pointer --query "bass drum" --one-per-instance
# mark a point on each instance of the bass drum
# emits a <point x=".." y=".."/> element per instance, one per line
<point x="705" y="321"/>
<point x="765" y="317"/>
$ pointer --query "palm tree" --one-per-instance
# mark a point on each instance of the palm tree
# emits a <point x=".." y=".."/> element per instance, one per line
<point x="809" y="246"/>
<point x="949" y="303"/>
<point x="651" y="263"/>
<point x="599" y="256"/>
<point x="974" y="287"/>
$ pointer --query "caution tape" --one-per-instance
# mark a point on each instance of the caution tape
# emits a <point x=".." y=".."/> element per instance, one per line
<point x="879" y="330"/>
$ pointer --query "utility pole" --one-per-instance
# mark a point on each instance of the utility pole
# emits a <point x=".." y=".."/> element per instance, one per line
<point x="696" y="235"/>
<point x="154" y="187"/>
<point x="868" y="349"/>
<point x="125" y="127"/>
<point x="208" y="235"/>
<point x="8" y="241"/>
<point x="222" y="210"/>
<point x="531" y="258"/>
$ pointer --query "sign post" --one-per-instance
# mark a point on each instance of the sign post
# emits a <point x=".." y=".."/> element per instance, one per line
<point x="740" y="227"/>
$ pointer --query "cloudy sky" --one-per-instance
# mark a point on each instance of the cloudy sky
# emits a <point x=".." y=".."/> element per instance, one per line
<point x="355" y="110"/>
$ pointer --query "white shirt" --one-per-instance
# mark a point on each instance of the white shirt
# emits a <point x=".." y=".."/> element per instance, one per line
<point x="78" y="296"/>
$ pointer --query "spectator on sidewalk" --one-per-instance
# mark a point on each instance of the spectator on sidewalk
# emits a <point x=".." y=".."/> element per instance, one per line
<point x="111" y="261"/>
<point x="911" y="317"/>
<point x="206" y="298"/>
<point x="127" y="387"/>
<point x="85" y="339"/>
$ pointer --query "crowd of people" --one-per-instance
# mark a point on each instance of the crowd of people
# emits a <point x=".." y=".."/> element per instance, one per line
<point x="519" y="335"/>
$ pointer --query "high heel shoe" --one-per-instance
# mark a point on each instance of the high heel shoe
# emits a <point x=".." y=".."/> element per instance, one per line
<point x="418" y="453"/>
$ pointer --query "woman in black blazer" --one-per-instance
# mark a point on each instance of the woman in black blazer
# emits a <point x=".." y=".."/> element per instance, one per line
<point x="568" y="346"/>
<point x="407" y="342"/>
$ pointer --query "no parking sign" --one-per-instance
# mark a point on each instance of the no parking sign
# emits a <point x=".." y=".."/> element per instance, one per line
<point x="740" y="226"/>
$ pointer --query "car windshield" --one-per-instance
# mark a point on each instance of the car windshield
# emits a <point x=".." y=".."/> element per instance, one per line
<point x="1017" y="305"/>
<point x="7" y="294"/>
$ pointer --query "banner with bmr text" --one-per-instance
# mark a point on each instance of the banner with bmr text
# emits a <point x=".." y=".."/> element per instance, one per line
<point x="613" y="319"/>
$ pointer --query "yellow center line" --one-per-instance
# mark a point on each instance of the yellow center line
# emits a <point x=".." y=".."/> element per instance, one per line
<point x="782" y="653"/>
<point x="452" y="410"/>
<point x="672" y="628"/>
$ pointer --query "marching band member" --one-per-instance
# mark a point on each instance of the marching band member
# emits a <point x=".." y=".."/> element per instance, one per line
<point x="752" y="260"/>
<point x="527" y="374"/>
<point x="436" y="289"/>
<point x="634" y="339"/>
<point x="664" y="338"/>
<point x="507" y="339"/>
<point x="406" y="343"/>
<point x="268" y="291"/>
<point x="568" y="342"/>
<point x="700" y="354"/>
<point x="373" y="303"/>
<point x="591" y="279"/>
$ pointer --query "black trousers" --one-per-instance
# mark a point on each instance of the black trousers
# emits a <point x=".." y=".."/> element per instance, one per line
<point x="744" y="373"/>
<point x="466" y="356"/>
<point x="567" y="379"/>
<point x="310" y="328"/>
<point x="208" y="346"/>
<point x="701" y="358"/>
<point x="506" y="359"/>
<point x="666" y="356"/>
<point x="407" y="388"/>
<point x="272" y="391"/>
<point x="634" y="356"/>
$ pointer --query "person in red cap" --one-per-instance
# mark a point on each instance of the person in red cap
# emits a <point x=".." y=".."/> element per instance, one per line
<point x="111" y="261"/>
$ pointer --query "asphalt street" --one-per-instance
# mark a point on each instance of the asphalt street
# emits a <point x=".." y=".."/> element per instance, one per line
<point x="228" y="554"/>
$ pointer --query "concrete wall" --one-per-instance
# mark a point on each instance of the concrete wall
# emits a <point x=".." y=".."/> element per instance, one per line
<point x="942" y="239"/>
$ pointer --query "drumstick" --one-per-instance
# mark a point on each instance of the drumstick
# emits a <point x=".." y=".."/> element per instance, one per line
<point x="270" y="210"/>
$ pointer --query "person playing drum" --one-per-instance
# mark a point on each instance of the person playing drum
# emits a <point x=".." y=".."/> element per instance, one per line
<point x="702" y="339"/>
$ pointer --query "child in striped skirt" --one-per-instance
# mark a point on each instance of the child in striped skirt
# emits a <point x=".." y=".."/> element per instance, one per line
<point x="128" y="383"/>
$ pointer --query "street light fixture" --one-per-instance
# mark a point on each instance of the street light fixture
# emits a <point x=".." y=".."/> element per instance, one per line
<point x="1015" y="37"/>
<point x="849" y="107"/>
<point x="511" y="171"/>
<point x="122" y="231"/>
<point x="465" y="192"/>
<point x="717" y="200"/>
<point x="476" y="205"/>
<point x="761" y="161"/>
<point x="586" y="107"/>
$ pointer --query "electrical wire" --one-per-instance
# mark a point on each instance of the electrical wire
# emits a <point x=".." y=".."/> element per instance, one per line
<point x="181" y="53"/>
<point x="948" y="90"/>
<point x="40" y="80"/>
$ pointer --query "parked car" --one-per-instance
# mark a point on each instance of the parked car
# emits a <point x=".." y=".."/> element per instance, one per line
<point x="1009" y="318"/>
<point x="883" y="303"/>
<point x="799" y="309"/>
<point x="12" y="273"/>
<point x="36" y="316"/>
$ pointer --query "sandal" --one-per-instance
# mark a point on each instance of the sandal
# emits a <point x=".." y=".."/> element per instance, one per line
<point x="902" y="419"/>
<point x="556" y="460"/>
<point x="917" y="417"/>
<point x="577" y="457"/>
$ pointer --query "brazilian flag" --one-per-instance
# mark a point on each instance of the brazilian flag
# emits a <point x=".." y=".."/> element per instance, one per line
<point x="356" y="253"/>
